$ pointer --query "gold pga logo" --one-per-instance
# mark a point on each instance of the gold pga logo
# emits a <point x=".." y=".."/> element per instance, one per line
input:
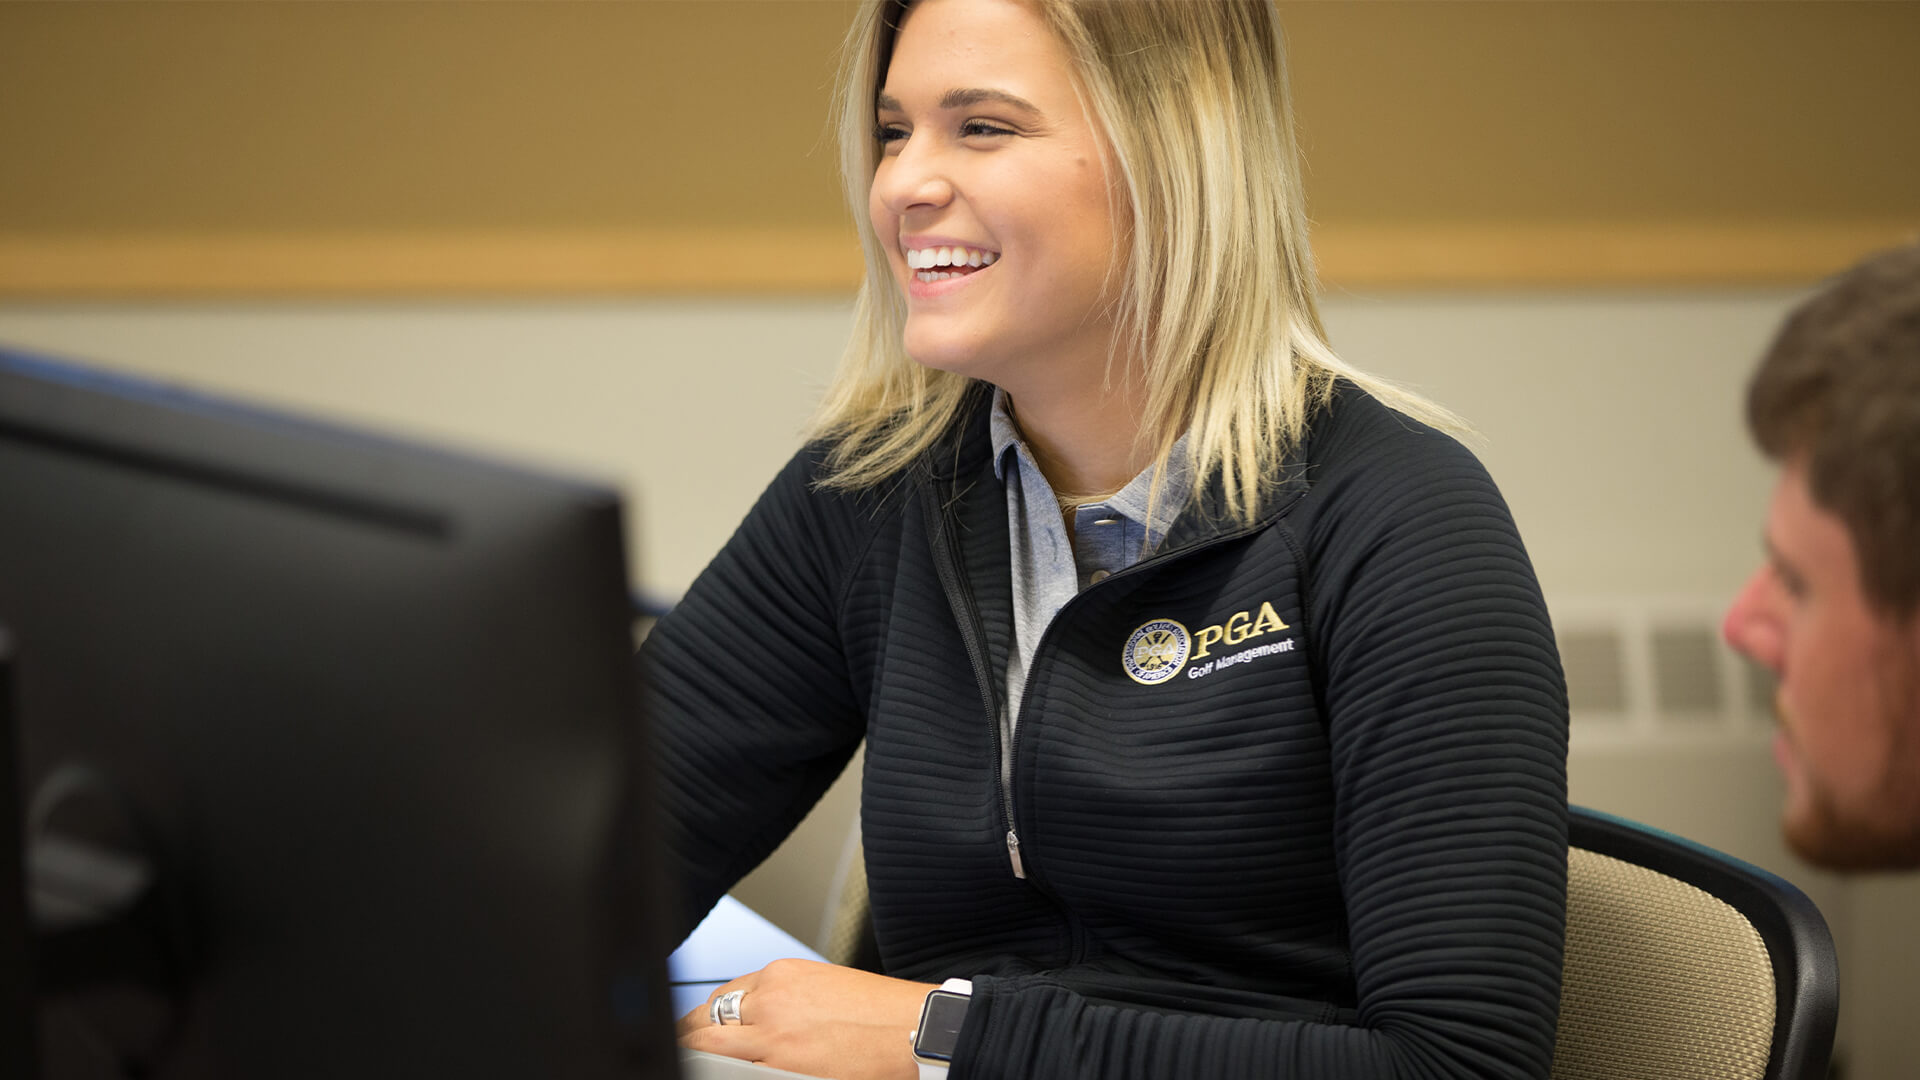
<point x="1157" y="650"/>
<point x="1243" y="625"/>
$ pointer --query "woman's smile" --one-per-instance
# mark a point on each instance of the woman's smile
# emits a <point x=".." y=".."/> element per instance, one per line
<point x="942" y="269"/>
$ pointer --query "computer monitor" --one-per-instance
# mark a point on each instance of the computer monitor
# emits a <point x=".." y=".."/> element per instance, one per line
<point x="326" y="756"/>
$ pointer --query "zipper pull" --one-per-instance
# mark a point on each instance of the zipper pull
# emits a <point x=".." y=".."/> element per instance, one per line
<point x="1013" y="855"/>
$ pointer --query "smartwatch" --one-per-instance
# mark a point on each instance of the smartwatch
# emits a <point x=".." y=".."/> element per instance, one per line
<point x="939" y="1030"/>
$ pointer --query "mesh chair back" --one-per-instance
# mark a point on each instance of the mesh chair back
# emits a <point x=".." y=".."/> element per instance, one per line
<point x="1662" y="980"/>
<point x="1685" y="963"/>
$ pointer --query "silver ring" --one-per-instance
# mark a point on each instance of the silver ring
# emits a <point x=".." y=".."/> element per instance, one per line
<point x="726" y="1008"/>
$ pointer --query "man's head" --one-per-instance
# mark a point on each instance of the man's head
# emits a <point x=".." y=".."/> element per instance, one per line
<point x="1834" y="611"/>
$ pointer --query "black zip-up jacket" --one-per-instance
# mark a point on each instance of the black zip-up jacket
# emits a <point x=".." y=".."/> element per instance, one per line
<point x="1290" y="798"/>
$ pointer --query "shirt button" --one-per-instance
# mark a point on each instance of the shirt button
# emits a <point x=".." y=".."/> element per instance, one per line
<point x="1100" y="575"/>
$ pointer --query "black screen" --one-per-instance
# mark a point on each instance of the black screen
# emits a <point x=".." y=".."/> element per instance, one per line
<point x="325" y="751"/>
<point x="940" y="1021"/>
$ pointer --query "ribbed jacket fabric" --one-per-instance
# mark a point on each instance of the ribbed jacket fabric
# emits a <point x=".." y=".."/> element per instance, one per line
<point x="1334" y="847"/>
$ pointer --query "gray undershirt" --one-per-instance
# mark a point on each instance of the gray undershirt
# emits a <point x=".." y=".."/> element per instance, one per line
<point x="1048" y="569"/>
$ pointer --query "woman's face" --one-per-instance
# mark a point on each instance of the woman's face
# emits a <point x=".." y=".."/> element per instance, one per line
<point x="991" y="199"/>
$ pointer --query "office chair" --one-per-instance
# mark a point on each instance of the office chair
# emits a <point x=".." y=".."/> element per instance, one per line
<point x="1683" y="962"/>
<point x="846" y="936"/>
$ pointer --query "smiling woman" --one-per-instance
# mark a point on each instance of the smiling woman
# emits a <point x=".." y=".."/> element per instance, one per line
<point x="1212" y="719"/>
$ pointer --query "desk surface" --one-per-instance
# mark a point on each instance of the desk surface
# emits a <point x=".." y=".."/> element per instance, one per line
<point x="730" y="942"/>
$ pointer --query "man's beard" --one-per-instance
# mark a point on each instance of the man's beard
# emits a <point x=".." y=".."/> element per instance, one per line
<point x="1884" y="833"/>
<point x="1825" y="837"/>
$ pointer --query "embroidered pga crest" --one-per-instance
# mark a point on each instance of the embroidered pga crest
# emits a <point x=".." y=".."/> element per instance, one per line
<point x="1156" y="652"/>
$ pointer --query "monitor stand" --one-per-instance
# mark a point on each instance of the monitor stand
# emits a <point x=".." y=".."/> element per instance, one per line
<point x="83" y="933"/>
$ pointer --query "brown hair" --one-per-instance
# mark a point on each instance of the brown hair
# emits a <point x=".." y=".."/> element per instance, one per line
<point x="1841" y="388"/>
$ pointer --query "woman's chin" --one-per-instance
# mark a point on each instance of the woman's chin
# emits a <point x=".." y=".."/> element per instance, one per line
<point x="944" y="354"/>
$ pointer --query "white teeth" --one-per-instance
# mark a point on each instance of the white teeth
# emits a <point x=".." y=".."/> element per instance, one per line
<point x="928" y="258"/>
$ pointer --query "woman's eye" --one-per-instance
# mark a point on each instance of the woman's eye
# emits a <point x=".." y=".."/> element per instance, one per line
<point x="982" y="127"/>
<point x="888" y="133"/>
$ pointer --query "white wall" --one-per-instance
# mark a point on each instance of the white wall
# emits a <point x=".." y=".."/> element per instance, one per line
<point x="1611" y="422"/>
<point x="689" y="406"/>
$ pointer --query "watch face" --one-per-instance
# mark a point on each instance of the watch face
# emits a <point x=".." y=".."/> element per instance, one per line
<point x="940" y="1024"/>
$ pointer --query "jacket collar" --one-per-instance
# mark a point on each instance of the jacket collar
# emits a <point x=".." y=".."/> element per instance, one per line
<point x="963" y="458"/>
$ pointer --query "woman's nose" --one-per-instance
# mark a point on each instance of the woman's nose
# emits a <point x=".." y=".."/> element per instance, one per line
<point x="915" y="177"/>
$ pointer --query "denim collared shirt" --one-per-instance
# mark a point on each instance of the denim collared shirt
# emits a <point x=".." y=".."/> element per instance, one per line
<point x="1048" y="569"/>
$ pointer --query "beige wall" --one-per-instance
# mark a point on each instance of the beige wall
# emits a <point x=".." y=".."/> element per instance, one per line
<point x="1610" y="420"/>
<point x="690" y="407"/>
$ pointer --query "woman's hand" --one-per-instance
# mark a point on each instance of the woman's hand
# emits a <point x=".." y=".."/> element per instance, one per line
<point x="818" y="1019"/>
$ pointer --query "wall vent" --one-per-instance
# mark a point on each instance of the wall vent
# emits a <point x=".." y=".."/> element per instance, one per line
<point x="1654" y="666"/>
<point x="1596" y="670"/>
<point x="1686" y="671"/>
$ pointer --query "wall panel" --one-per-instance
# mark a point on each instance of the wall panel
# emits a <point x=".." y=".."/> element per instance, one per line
<point x="535" y="148"/>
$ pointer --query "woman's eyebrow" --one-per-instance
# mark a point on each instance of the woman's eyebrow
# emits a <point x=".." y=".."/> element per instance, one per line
<point x="966" y="97"/>
<point x="961" y="98"/>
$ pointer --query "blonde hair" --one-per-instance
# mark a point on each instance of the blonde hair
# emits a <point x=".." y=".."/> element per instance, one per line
<point x="1216" y="291"/>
